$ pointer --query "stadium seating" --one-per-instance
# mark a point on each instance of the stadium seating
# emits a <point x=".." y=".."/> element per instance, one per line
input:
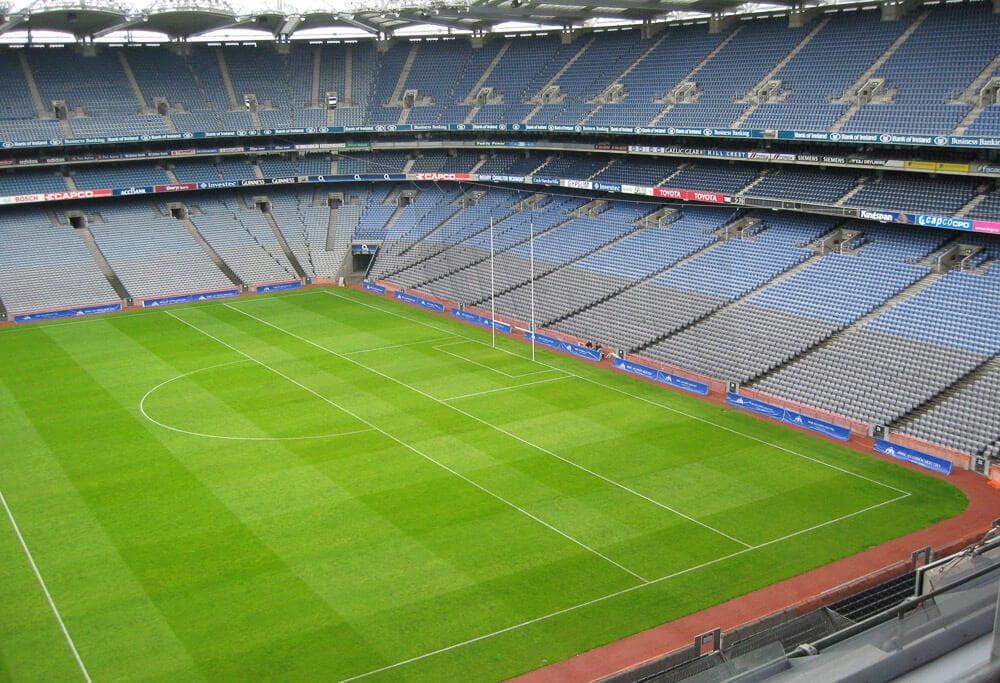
<point x="46" y="266"/>
<point x="151" y="253"/>
<point x="814" y="92"/>
<point x="242" y="238"/>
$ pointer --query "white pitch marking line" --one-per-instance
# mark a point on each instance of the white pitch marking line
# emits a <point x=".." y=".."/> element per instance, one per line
<point x="495" y="427"/>
<point x="48" y="596"/>
<point x="142" y="409"/>
<point x="610" y="596"/>
<point x="627" y="393"/>
<point x="516" y="386"/>
<point x="409" y="447"/>
<point x="395" y="346"/>
<point x="487" y="367"/>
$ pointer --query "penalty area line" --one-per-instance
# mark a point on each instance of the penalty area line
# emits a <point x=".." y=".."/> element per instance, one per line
<point x="45" y="589"/>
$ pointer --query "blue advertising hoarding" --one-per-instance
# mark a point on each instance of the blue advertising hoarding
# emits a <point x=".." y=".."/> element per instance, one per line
<point x="667" y="378"/>
<point x="925" y="460"/>
<point x="278" y="287"/>
<point x="67" y="313"/>
<point x="189" y="298"/>
<point x="789" y="416"/>
<point x="565" y="347"/>
<point x="373" y="287"/>
<point x="420" y="301"/>
<point x="481" y="320"/>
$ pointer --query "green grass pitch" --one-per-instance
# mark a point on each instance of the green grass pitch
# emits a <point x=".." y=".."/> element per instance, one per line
<point x="326" y="485"/>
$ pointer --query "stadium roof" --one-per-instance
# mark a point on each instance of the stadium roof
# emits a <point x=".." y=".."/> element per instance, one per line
<point x="218" y="19"/>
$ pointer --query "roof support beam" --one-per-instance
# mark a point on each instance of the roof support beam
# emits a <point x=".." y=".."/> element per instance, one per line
<point x="124" y="26"/>
<point x="523" y="12"/>
<point x="291" y="23"/>
<point x="13" y="22"/>
<point x="651" y="6"/>
<point x="361" y="23"/>
<point x="434" y="20"/>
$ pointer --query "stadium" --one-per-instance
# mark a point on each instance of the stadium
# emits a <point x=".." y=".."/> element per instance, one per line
<point x="544" y="340"/>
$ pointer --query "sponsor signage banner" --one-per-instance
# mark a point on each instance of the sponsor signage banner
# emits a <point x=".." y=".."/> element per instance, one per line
<point x="565" y="347"/>
<point x="57" y="196"/>
<point x="755" y="406"/>
<point x="689" y="195"/>
<point x="493" y="177"/>
<point x="481" y="320"/>
<point x="373" y="287"/>
<point x="441" y="176"/>
<point x="278" y="287"/>
<point x="925" y="460"/>
<point x="545" y="180"/>
<point x="940" y="221"/>
<point x="789" y="416"/>
<point x="189" y="298"/>
<point x="661" y="376"/>
<point x="67" y="313"/>
<point x="966" y="141"/>
<point x="877" y="215"/>
<point x="986" y="226"/>
<point x="817" y="425"/>
<point x="420" y="301"/>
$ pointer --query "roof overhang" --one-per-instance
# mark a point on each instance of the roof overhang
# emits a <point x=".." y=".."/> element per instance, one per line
<point x="183" y="19"/>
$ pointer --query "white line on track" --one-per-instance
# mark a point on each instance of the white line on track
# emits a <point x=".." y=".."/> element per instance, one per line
<point x="501" y="430"/>
<point x="639" y="398"/>
<point x="610" y="596"/>
<point x="516" y="386"/>
<point x="45" y="589"/>
<point x="409" y="447"/>
<point x="142" y="409"/>
<point x="396" y="346"/>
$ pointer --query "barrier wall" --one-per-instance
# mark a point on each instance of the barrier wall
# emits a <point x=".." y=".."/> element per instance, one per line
<point x="925" y="460"/>
<point x="566" y="347"/>
<point x="789" y="416"/>
<point x="67" y="313"/>
<point x="153" y="302"/>
<point x="481" y="320"/>
<point x="856" y="160"/>
<point x="419" y="301"/>
<point x="884" y="216"/>
<point x="874" y="138"/>
<point x="662" y="377"/>
<point x="277" y="286"/>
